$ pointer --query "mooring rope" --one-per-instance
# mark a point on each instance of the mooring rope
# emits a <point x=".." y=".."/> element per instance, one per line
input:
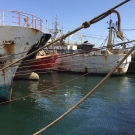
<point x="58" y="84"/>
<point x="60" y="56"/>
<point x="54" y="68"/>
<point x="23" y="65"/>
<point x="82" y="75"/>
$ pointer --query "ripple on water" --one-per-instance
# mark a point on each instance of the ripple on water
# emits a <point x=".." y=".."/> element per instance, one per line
<point x="109" y="110"/>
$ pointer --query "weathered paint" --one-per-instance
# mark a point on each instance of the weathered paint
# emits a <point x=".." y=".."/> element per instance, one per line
<point x="3" y="75"/>
<point x="27" y="43"/>
<point x="34" y="30"/>
<point x="86" y="70"/>
<point x="96" y="64"/>
<point x="120" y="71"/>
<point x="105" y="58"/>
<point x="27" y="37"/>
<point x="44" y="62"/>
<point x="14" y="43"/>
<point x="61" y="68"/>
<point x="9" y="46"/>
<point x="15" y="40"/>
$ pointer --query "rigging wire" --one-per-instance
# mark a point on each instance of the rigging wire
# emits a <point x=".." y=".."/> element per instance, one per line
<point x="36" y="60"/>
<point x="27" y="65"/>
<point x="101" y="34"/>
<point x="53" y="68"/>
<point x="9" y="55"/>
<point x="128" y="29"/>
<point x="84" y="25"/>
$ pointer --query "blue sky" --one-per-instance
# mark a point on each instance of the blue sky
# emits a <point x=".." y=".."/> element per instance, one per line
<point x="72" y="13"/>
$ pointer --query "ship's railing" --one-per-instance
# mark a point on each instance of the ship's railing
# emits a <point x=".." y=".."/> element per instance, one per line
<point x="15" y="18"/>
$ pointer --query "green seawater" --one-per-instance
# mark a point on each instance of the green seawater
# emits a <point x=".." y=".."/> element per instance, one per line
<point x="4" y="92"/>
<point x="110" y="110"/>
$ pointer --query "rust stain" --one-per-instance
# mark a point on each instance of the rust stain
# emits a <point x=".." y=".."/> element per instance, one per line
<point x="60" y="68"/>
<point x="9" y="46"/>
<point x="105" y="58"/>
<point x="120" y="70"/>
<point x="2" y="64"/>
<point x="86" y="69"/>
<point x="34" y="30"/>
<point x="4" y="76"/>
<point x="17" y="37"/>
<point x="27" y="43"/>
<point x="24" y="48"/>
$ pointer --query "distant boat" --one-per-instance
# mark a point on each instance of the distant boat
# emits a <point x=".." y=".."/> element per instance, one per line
<point x="94" y="60"/>
<point x="19" y="33"/>
<point x="44" y="61"/>
<point x="25" y="69"/>
<point x="131" y="68"/>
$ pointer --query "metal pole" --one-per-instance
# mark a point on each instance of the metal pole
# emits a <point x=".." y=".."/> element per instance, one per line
<point x="2" y="17"/>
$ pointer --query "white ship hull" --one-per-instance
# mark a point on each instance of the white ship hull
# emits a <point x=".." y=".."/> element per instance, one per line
<point x="95" y="64"/>
<point x="14" y="41"/>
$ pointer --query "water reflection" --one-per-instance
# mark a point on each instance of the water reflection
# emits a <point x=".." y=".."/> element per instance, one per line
<point x="50" y="91"/>
<point x="110" y="109"/>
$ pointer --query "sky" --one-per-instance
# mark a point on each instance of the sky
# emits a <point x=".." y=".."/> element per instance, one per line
<point x="72" y="13"/>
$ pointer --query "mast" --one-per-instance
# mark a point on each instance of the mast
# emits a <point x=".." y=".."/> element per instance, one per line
<point x="111" y="28"/>
<point x="55" y="28"/>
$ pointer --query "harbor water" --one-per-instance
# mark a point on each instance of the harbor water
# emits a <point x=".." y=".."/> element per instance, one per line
<point x="110" y="110"/>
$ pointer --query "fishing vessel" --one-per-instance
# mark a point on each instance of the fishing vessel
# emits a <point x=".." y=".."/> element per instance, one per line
<point x="95" y="60"/>
<point x="19" y="33"/>
<point x="40" y="61"/>
<point x="44" y="61"/>
<point x="131" y="68"/>
<point x="32" y="63"/>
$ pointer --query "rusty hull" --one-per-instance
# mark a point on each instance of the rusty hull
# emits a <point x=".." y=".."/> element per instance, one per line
<point x="8" y="48"/>
<point x="120" y="71"/>
<point x="96" y="64"/>
<point x="14" y="40"/>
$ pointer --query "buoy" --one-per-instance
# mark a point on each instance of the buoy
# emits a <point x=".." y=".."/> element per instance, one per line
<point x="34" y="76"/>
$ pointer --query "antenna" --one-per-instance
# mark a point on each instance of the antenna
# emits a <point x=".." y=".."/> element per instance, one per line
<point x="55" y="25"/>
<point x="46" y="25"/>
<point x="55" y="30"/>
<point x="62" y="21"/>
<point x="52" y="17"/>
